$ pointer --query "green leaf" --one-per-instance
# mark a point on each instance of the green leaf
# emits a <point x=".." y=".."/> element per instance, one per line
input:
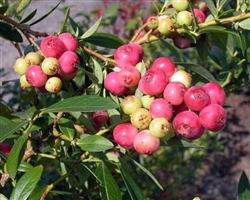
<point x="2" y="197"/>
<point x="3" y="9"/>
<point x="198" y="70"/>
<point x="212" y="7"/>
<point x="5" y="121"/>
<point x="44" y="16"/>
<point x="65" y="20"/>
<point x="245" y="24"/>
<point x="203" y="47"/>
<point x="98" y="73"/>
<point x="89" y="103"/>
<point x="66" y="127"/>
<point x="92" y="77"/>
<point x="221" y="4"/>
<point x="92" y="29"/>
<point x="41" y="123"/>
<point x="148" y="173"/>
<point x="16" y="155"/>
<point x="133" y="189"/>
<point x="10" y="33"/>
<point x="77" y="29"/>
<point x="105" y="40"/>
<point x="84" y="121"/>
<point x="94" y="143"/>
<point x="108" y="184"/>
<point x="225" y="42"/>
<point x="29" y="17"/>
<point x="24" y="167"/>
<point x="243" y="187"/>
<point x="37" y="192"/>
<point x="172" y="49"/>
<point x="27" y="114"/>
<point x="176" y="142"/>
<point x="26" y="184"/>
<point x="7" y="130"/>
<point x="211" y="29"/>
<point x="22" y="7"/>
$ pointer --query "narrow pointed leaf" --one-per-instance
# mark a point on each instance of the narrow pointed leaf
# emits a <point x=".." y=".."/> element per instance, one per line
<point x="66" y="127"/>
<point x="111" y="190"/>
<point x="245" y="24"/>
<point x="5" y="121"/>
<point x="243" y="187"/>
<point x="10" y="33"/>
<point x="92" y="29"/>
<point x="95" y="143"/>
<point x="105" y="40"/>
<point x="26" y="184"/>
<point x="27" y="114"/>
<point x="89" y="103"/>
<point x="22" y="7"/>
<point x="5" y="110"/>
<point x="29" y="17"/>
<point x="7" y="130"/>
<point x="16" y="155"/>
<point x="44" y="16"/>
<point x="3" y="9"/>
<point x="76" y="28"/>
<point x="212" y="7"/>
<point x="65" y="20"/>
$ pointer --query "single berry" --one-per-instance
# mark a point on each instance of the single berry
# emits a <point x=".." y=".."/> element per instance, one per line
<point x="141" y="118"/>
<point x="184" y="18"/>
<point x="53" y="84"/>
<point x="5" y="148"/>
<point x="187" y="125"/>
<point x="216" y="93"/>
<point x="67" y="61"/>
<point x="129" y="76"/>
<point x="100" y="117"/>
<point x="124" y="135"/>
<point x="161" y="108"/>
<point x="166" y="26"/>
<point x="146" y="143"/>
<point x="50" y="66"/>
<point x="24" y="83"/>
<point x="160" y="127"/>
<point x="32" y="58"/>
<point x="180" y="5"/>
<point x="69" y="41"/>
<point x="165" y="64"/>
<point x="183" y="77"/>
<point x="201" y="17"/>
<point x="152" y="22"/>
<point x="174" y="93"/>
<point x="21" y="66"/>
<point x="112" y="84"/>
<point x="213" y="117"/>
<point x="130" y="104"/>
<point x="147" y="100"/>
<point x="35" y="76"/>
<point x="182" y="42"/>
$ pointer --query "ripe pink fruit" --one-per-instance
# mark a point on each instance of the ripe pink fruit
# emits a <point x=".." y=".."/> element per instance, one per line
<point x="196" y="98"/>
<point x="141" y="87"/>
<point x="67" y="62"/>
<point x="52" y="46"/>
<point x="129" y="76"/>
<point x="216" y="93"/>
<point x="5" y="148"/>
<point x="35" y="76"/>
<point x="128" y="54"/>
<point x="69" y="40"/>
<point x="161" y="108"/>
<point x="187" y="125"/>
<point x="112" y="84"/>
<point x="124" y="135"/>
<point x="100" y="117"/>
<point x="146" y="143"/>
<point x="174" y="93"/>
<point x="213" y="117"/>
<point x="182" y="42"/>
<point x="201" y="17"/>
<point x="165" y="64"/>
<point x="154" y="81"/>
<point x="180" y="108"/>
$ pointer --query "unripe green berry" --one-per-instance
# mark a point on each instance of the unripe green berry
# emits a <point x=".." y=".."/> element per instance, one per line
<point x="53" y="84"/>
<point x="180" y="5"/>
<point x="147" y="100"/>
<point x="184" y="17"/>
<point x="20" y="66"/>
<point x="160" y="127"/>
<point x="130" y="104"/>
<point x="24" y="83"/>
<point x="166" y="26"/>
<point x="32" y="58"/>
<point x="50" y="66"/>
<point x="152" y="22"/>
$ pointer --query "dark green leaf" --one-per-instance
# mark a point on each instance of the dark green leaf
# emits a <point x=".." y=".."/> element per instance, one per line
<point x="98" y="73"/>
<point x="133" y="189"/>
<point x="7" y="130"/>
<point x="5" y="110"/>
<point x="37" y="192"/>
<point x="92" y="77"/>
<point x="105" y="40"/>
<point x="83" y="120"/>
<point x="44" y="16"/>
<point x="176" y="142"/>
<point x="29" y="17"/>
<point x="94" y="143"/>
<point x="92" y="29"/>
<point x="89" y="103"/>
<point x="77" y="29"/>
<point x="5" y="121"/>
<point x="16" y="155"/>
<point x="245" y="24"/>
<point x="66" y="127"/>
<point x="225" y="42"/>
<point x="203" y="47"/>
<point x="41" y="123"/>
<point x="108" y="184"/>
<point x="211" y="29"/>
<point x="27" y="114"/>
<point x="243" y="187"/>
<point x="24" y="167"/>
<point x="26" y="184"/>
<point x="222" y="3"/>
<point x="212" y="7"/>
<point x="3" y="9"/>
<point x="198" y="70"/>
<point x="65" y="20"/>
<point x="22" y="7"/>
<point x="10" y="33"/>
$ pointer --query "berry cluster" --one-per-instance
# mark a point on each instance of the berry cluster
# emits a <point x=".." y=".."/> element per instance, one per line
<point x="169" y="103"/>
<point x="46" y="72"/>
<point x="166" y="25"/>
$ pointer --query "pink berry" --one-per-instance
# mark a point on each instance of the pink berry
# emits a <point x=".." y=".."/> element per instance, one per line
<point x="180" y="108"/>
<point x="187" y="125"/>
<point x="201" y="17"/>
<point x="124" y="135"/>
<point x="161" y="108"/>
<point x="196" y="98"/>
<point x="69" y="40"/>
<point x="52" y="46"/>
<point x="128" y="54"/>
<point x="5" y="148"/>
<point x="129" y="76"/>
<point x="213" y="117"/>
<point x="216" y="93"/>
<point x="100" y="117"/>
<point x="112" y="84"/>
<point x="67" y="62"/>
<point x="146" y="143"/>
<point x="182" y="42"/>
<point x="35" y="76"/>
<point x="154" y="81"/>
<point x="165" y="64"/>
<point x="174" y="93"/>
